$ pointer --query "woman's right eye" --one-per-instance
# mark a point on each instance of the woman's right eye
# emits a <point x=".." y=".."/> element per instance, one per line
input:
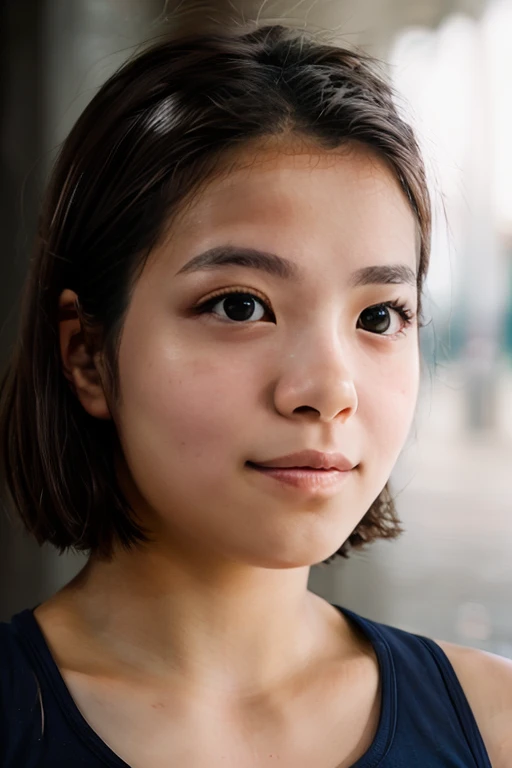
<point x="236" y="307"/>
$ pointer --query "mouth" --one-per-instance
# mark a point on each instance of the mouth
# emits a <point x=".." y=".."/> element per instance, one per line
<point x="294" y="469"/>
<point x="312" y="480"/>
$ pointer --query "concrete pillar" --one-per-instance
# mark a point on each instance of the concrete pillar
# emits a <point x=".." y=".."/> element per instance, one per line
<point x="21" y="561"/>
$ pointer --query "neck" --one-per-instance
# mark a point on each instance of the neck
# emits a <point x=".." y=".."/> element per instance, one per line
<point x="230" y="628"/>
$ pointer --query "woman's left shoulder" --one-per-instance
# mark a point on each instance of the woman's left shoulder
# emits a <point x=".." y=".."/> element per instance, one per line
<point x="486" y="680"/>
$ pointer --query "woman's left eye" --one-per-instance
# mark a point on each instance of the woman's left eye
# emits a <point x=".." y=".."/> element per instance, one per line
<point x="386" y="319"/>
<point x="237" y="307"/>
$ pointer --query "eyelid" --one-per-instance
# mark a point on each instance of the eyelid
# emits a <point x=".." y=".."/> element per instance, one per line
<point x="400" y="306"/>
<point x="233" y="289"/>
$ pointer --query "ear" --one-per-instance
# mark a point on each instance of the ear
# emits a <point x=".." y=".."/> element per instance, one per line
<point x="81" y="366"/>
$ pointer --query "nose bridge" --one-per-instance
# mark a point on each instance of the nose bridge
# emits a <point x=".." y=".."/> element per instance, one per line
<point x="322" y="344"/>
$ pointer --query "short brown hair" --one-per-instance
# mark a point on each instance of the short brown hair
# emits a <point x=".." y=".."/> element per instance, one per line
<point x="151" y="136"/>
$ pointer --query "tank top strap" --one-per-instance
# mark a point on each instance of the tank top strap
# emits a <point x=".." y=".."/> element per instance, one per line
<point x="433" y="712"/>
<point x="459" y="702"/>
<point x="64" y="736"/>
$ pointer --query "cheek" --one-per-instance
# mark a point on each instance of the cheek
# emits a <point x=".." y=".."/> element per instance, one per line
<point x="388" y="401"/>
<point x="182" y="410"/>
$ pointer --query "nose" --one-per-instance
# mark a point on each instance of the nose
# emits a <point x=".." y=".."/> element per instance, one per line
<point x="317" y="382"/>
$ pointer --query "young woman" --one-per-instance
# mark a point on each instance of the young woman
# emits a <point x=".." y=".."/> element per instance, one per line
<point x="216" y="371"/>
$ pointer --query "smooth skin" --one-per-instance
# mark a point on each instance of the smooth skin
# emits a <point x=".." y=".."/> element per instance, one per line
<point x="205" y="648"/>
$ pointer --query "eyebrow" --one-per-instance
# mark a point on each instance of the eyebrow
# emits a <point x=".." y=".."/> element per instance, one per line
<point x="277" y="266"/>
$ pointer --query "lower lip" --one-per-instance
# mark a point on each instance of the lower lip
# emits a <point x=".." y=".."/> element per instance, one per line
<point x="305" y="478"/>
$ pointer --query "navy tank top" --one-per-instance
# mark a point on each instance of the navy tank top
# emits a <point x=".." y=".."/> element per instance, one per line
<point x="425" y="718"/>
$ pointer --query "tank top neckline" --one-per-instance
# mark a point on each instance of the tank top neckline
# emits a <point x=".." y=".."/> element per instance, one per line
<point x="31" y="636"/>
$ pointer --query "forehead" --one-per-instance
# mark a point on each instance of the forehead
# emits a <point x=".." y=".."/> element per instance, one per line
<point x="295" y="195"/>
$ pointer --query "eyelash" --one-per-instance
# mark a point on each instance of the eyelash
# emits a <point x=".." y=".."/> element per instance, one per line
<point x="400" y="307"/>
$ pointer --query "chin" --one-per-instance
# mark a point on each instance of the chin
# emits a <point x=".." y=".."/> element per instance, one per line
<point x="303" y="555"/>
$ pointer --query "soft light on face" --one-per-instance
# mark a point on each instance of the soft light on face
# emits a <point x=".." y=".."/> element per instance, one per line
<point x="322" y="358"/>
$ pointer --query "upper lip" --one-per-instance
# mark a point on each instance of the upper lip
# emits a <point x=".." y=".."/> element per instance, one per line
<point x="313" y="459"/>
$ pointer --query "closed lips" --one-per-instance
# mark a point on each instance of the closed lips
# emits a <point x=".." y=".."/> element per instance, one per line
<point x="308" y="459"/>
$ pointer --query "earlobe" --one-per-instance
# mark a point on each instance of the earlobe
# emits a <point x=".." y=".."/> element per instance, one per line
<point x="80" y="365"/>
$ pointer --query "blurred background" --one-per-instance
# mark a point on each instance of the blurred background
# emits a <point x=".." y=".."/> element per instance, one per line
<point x="450" y="574"/>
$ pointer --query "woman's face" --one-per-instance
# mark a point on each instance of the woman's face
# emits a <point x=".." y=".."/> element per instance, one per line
<point x="315" y="358"/>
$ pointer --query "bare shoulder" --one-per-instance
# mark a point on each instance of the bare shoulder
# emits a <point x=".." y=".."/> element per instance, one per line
<point x="487" y="682"/>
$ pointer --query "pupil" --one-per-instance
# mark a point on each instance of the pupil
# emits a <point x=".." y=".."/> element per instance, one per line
<point x="378" y="318"/>
<point x="239" y="307"/>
